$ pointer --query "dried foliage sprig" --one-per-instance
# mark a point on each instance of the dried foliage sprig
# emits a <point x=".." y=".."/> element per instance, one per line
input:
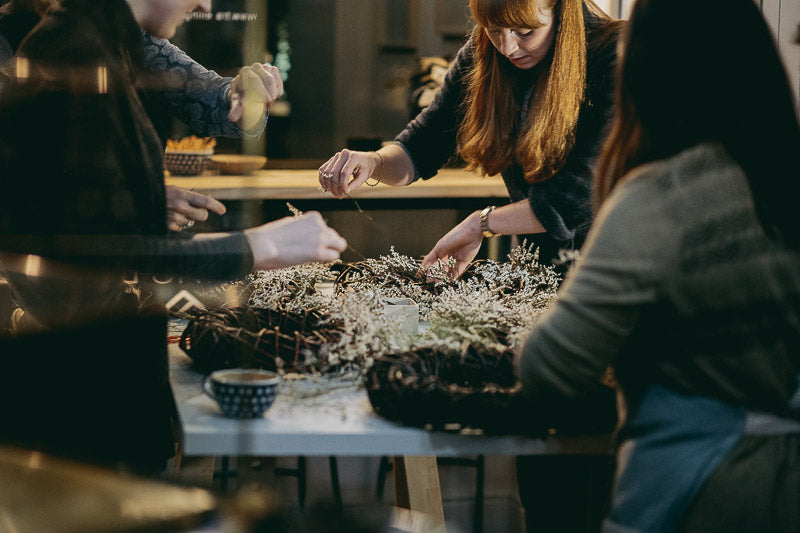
<point x="496" y="306"/>
<point x="294" y="288"/>
<point x="365" y="331"/>
<point x="401" y="276"/>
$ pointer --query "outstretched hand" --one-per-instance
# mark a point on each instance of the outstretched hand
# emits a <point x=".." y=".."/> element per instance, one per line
<point x="293" y="241"/>
<point x="253" y="91"/>
<point x="462" y="243"/>
<point x="185" y="207"/>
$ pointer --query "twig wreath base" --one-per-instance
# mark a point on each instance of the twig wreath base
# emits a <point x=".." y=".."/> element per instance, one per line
<point x="448" y="390"/>
<point x="250" y="337"/>
<point x="476" y="391"/>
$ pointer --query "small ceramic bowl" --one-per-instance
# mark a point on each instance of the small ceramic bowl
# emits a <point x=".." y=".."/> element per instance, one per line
<point x="242" y="392"/>
<point x="186" y="163"/>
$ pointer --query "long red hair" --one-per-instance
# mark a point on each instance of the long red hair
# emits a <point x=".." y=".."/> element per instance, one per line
<point x="492" y="135"/>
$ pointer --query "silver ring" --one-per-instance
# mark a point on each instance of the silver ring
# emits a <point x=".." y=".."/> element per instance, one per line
<point x="326" y="175"/>
<point x="188" y="224"/>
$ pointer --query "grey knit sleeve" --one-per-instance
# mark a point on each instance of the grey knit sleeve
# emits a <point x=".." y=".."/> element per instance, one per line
<point x="622" y="270"/>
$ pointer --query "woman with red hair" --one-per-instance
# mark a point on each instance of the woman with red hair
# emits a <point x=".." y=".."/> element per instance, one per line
<point x="528" y="97"/>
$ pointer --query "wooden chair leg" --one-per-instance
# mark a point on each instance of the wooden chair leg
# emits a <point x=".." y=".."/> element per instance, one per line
<point x="337" y="491"/>
<point x="300" y="473"/>
<point x="478" y="463"/>
<point x="417" y="488"/>
<point x="384" y="467"/>
<point x="301" y="481"/>
<point x="224" y="473"/>
<point x="477" y="515"/>
<point x="177" y="459"/>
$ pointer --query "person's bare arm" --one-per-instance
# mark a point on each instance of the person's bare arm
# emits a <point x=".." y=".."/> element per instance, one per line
<point x="463" y="241"/>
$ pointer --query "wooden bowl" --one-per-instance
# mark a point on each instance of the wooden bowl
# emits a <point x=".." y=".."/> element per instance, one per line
<point x="237" y="164"/>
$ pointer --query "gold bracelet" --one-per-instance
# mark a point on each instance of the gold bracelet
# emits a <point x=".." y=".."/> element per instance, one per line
<point x="378" y="180"/>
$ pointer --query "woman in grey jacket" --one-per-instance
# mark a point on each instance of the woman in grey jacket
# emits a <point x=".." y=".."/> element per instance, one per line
<point x="689" y="283"/>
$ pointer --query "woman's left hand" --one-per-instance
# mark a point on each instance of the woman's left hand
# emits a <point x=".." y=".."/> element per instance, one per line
<point x="461" y="243"/>
<point x="185" y="207"/>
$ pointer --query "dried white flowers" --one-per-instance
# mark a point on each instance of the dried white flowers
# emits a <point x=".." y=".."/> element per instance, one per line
<point x="492" y="306"/>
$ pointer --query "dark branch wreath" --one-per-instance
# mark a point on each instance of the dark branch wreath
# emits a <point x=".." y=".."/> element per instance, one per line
<point x="250" y="337"/>
<point x="473" y="389"/>
<point x="447" y="389"/>
<point x="383" y="275"/>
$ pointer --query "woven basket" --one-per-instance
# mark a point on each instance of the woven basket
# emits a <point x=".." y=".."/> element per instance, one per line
<point x="186" y="163"/>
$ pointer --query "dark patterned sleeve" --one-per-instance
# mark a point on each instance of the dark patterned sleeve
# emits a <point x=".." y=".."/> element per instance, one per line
<point x="430" y="139"/>
<point x="194" y="94"/>
<point x="210" y="256"/>
<point x="5" y="50"/>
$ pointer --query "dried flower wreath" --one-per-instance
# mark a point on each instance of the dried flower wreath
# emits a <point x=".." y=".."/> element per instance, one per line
<point x="450" y="390"/>
<point x="322" y="319"/>
<point x="328" y="319"/>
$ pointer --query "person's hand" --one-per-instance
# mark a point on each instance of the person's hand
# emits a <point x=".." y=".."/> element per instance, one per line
<point x="336" y="173"/>
<point x="461" y="243"/>
<point x="185" y="207"/>
<point x="253" y="90"/>
<point x="293" y="241"/>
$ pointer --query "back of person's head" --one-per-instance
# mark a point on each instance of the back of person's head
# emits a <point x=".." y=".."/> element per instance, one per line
<point x="33" y="6"/>
<point x="706" y="70"/>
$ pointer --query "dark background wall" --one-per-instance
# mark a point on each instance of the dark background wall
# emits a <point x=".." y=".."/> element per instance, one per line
<point x="349" y="64"/>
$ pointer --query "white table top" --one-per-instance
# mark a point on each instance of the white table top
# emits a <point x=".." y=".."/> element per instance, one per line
<point x="338" y="422"/>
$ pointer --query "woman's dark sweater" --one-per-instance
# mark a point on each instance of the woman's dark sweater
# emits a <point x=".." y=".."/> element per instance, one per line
<point x="562" y="203"/>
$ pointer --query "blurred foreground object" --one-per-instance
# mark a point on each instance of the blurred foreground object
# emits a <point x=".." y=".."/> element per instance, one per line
<point x="42" y="493"/>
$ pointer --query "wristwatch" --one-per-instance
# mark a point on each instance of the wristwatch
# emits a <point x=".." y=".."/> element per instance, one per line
<point x="485" y="222"/>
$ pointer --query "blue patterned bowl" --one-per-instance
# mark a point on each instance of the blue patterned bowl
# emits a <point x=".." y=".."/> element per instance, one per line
<point x="242" y="392"/>
<point x="181" y="163"/>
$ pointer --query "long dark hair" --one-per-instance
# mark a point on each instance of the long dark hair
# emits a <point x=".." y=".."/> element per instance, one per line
<point x="39" y="7"/>
<point x="707" y="70"/>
